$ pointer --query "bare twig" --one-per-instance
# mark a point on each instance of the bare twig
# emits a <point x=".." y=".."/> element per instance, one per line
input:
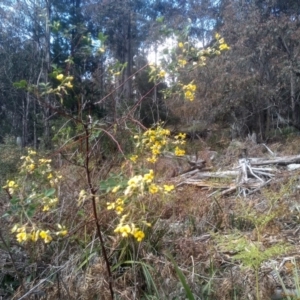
<point x="93" y="193"/>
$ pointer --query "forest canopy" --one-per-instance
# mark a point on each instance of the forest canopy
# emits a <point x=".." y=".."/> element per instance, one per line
<point x="104" y="44"/>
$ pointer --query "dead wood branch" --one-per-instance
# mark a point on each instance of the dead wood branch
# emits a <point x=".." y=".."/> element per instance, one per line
<point x="251" y="175"/>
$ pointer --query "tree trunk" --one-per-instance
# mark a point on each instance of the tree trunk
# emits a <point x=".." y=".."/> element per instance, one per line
<point x="47" y="138"/>
<point x="293" y="94"/>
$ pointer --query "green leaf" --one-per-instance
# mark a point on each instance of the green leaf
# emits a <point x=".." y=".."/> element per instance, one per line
<point x="86" y="261"/>
<point x="50" y="192"/>
<point x="95" y="134"/>
<point x="22" y="84"/>
<point x="181" y="276"/>
<point x="31" y="210"/>
<point x="14" y="200"/>
<point x="110" y="183"/>
<point x="102" y="37"/>
<point x="7" y="214"/>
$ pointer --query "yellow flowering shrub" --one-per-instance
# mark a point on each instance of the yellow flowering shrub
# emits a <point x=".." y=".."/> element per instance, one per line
<point x="33" y="194"/>
<point x="137" y="186"/>
<point x="156" y="140"/>
<point x="129" y="196"/>
<point x="187" y="58"/>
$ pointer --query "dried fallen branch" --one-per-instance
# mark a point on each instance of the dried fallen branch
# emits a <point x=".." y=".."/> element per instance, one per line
<point x="283" y="161"/>
<point x="197" y="174"/>
<point x="248" y="177"/>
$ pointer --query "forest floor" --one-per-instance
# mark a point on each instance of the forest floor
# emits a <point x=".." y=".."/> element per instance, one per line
<point x="202" y="245"/>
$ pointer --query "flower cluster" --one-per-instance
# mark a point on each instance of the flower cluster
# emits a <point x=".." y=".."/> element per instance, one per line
<point x="156" y="73"/>
<point x="33" y="193"/>
<point x="65" y="80"/>
<point x="189" y="91"/>
<point x="156" y="140"/>
<point x="191" y="57"/>
<point x="10" y="186"/>
<point x="126" y="229"/>
<point x="136" y="186"/>
<point x="25" y="233"/>
<point x="221" y="43"/>
<point x="118" y="205"/>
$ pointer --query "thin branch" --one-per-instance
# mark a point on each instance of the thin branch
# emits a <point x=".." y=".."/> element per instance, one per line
<point x="93" y="193"/>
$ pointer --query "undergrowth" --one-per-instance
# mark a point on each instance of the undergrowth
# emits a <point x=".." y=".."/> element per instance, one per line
<point x="95" y="218"/>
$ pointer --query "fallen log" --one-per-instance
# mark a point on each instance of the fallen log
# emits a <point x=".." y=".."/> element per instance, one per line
<point x="285" y="160"/>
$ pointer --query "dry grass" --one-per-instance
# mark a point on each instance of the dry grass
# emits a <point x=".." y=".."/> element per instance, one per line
<point x="184" y="225"/>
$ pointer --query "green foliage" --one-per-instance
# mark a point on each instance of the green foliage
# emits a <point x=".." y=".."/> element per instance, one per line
<point x="32" y="193"/>
<point x="251" y="254"/>
<point x="22" y="84"/>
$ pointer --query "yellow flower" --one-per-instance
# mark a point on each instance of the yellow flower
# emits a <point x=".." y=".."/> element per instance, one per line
<point x="152" y="159"/>
<point x="12" y="184"/>
<point x="128" y="191"/>
<point x="14" y="229"/>
<point x="62" y="231"/>
<point x="153" y="189"/>
<point x="53" y="201"/>
<point x="189" y="95"/>
<point x="30" y="167"/>
<point x="180" y="136"/>
<point x="119" y="209"/>
<point x="180" y="45"/>
<point x="135" y="181"/>
<point x="45" y="236"/>
<point x="125" y="230"/>
<point x="179" y="152"/>
<point x="192" y="87"/>
<point x="22" y="237"/>
<point x="133" y="158"/>
<point x="120" y="201"/>
<point x="224" y="47"/>
<point x="147" y="223"/>
<point x="49" y="176"/>
<point x="139" y="235"/>
<point x="110" y="205"/>
<point x="35" y="235"/>
<point x="60" y="77"/>
<point x="46" y="208"/>
<point x="162" y="73"/>
<point x="155" y="148"/>
<point x="217" y="36"/>
<point x="21" y="229"/>
<point x="149" y="177"/>
<point x="168" y="188"/>
<point x="221" y="41"/>
<point x="182" y="62"/>
<point x="31" y="152"/>
<point x="115" y="189"/>
<point x="69" y="84"/>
